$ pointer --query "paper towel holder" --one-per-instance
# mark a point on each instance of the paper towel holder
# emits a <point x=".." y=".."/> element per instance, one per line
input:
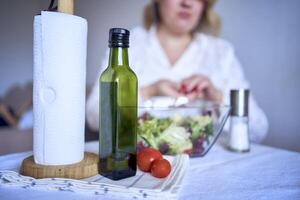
<point x="51" y="6"/>
<point x="88" y="166"/>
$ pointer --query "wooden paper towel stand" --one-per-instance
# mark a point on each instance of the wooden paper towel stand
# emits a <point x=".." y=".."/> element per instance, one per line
<point x="86" y="168"/>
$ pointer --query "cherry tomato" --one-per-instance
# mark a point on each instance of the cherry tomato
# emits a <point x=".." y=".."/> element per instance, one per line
<point x="160" y="168"/>
<point x="146" y="157"/>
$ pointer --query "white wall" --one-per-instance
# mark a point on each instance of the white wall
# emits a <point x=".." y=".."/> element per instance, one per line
<point x="264" y="32"/>
<point x="103" y="15"/>
<point x="16" y="19"/>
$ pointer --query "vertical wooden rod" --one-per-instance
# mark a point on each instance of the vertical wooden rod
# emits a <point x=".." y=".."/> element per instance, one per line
<point x="66" y="6"/>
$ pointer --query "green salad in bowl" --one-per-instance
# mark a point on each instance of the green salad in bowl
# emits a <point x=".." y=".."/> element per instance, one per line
<point x="190" y="130"/>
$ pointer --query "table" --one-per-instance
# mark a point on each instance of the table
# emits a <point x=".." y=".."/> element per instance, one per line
<point x="263" y="173"/>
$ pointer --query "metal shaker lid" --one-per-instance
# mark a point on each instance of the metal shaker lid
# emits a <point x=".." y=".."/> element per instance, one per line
<point x="239" y="102"/>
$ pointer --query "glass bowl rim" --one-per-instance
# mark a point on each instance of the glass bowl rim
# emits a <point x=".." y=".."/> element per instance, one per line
<point x="210" y="106"/>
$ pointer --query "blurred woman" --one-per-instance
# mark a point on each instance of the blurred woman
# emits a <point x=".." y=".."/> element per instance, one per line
<point x="177" y="53"/>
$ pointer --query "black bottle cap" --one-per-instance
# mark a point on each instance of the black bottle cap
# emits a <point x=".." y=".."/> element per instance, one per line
<point x="118" y="37"/>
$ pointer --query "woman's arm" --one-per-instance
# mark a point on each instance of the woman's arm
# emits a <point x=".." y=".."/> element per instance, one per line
<point x="232" y="77"/>
<point x="160" y="88"/>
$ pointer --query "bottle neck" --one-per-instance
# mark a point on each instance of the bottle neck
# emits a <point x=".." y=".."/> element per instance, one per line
<point x="118" y="57"/>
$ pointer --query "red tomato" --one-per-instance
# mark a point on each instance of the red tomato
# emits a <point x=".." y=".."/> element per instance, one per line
<point x="146" y="157"/>
<point x="161" y="168"/>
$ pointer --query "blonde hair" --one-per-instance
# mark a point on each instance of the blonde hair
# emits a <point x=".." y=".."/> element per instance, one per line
<point x="210" y="22"/>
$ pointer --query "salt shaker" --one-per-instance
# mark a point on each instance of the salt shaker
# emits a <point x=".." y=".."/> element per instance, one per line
<point x="239" y="121"/>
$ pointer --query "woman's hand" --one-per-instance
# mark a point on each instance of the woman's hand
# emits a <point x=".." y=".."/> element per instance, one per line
<point x="200" y="87"/>
<point x="161" y="88"/>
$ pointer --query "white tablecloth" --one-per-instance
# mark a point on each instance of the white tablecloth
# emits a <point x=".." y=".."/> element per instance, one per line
<point x="264" y="173"/>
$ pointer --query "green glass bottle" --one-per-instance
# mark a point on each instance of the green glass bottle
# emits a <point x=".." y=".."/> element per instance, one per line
<point x="118" y="111"/>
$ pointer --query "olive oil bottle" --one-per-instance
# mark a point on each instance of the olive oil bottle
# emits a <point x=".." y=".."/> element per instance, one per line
<point x="118" y="111"/>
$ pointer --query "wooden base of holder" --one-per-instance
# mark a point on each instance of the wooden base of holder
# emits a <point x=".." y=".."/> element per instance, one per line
<point x="86" y="168"/>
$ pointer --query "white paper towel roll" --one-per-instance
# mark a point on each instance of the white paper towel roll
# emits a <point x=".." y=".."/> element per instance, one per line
<point x="59" y="74"/>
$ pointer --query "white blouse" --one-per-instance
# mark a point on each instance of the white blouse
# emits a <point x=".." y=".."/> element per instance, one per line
<point x="206" y="55"/>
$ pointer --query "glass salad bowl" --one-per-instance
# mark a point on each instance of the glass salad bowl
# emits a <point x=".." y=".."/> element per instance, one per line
<point x="191" y="129"/>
